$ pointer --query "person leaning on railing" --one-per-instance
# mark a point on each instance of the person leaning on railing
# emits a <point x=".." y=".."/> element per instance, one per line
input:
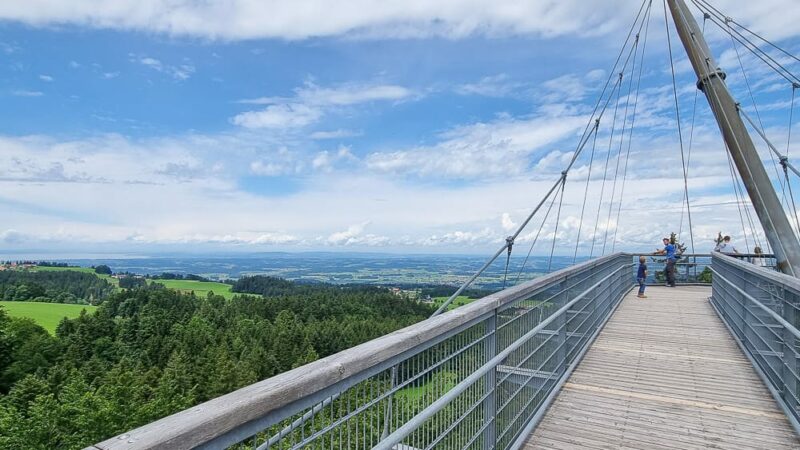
<point x="669" y="271"/>
<point x="726" y="246"/>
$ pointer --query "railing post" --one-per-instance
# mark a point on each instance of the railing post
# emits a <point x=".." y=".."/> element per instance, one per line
<point x="790" y="367"/>
<point x="561" y="326"/>
<point x="743" y="311"/>
<point x="490" y="383"/>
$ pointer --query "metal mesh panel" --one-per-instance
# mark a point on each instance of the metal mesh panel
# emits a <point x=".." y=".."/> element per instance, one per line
<point x="760" y="307"/>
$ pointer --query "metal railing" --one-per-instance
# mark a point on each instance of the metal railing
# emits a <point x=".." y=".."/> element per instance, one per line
<point x="689" y="266"/>
<point x="477" y="377"/>
<point x="760" y="307"/>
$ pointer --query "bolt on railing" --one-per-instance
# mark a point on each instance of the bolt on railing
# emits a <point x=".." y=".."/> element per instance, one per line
<point x="477" y="377"/>
<point x="761" y="308"/>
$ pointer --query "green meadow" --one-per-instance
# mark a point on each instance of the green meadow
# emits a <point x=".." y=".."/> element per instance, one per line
<point x="200" y="288"/>
<point x="48" y="315"/>
<point x="461" y="300"/>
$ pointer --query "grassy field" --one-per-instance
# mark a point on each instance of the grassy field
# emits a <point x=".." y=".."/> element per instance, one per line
<point x="200" y="288"/>
<point x="108" y="278"/>
<point x="461" y="300"/>
<point x="48" y="315"/>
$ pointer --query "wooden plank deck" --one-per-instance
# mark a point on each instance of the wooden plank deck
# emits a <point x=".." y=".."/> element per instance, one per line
<point x="664" y="374"/>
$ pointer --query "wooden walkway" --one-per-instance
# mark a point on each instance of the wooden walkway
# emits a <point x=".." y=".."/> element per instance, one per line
<point x="664" y="374"/>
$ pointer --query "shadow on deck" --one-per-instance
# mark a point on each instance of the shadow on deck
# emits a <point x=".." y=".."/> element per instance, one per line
<point x="664" y="373"/>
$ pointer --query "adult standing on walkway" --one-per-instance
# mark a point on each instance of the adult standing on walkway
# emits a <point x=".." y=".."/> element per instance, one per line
<point x="726" y="246"/>
<point x="669" y="271"/>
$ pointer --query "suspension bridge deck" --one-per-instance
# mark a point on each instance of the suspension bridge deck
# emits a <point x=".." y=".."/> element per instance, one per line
<point x="664" y="373"/>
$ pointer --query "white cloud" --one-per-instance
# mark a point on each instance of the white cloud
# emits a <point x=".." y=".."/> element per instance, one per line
<point x="482" y="150"/>
<point x="281" y="162"/>
<point x="245" y="19"/>
<point x="311" y="102"/>
<point x="507" y="223"/>
<point x="179" y="72"/>
<point x="9" y="48"/>
<point x="492" y="86"/>
<point x="46" y="78"/>
<point x="335" y="134"/>
<point x="326" y="161"/>
<point x="354" y="235"/>
<point x="11" y="236"/>
<point x="468" y="238"/>
<point x="264" y="238"/>
<point x="26" y="93"/>
<point x="287" y="115"/>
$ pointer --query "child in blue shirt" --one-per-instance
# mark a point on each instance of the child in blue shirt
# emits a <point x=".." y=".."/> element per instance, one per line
<point x="641" y="276"/>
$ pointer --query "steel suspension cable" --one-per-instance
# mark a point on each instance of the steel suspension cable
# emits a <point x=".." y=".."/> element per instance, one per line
<point x="722" y="115"/>
<point x="739" y="202"/>
<point x="605" y="170"/>
<point x="718" y="19"/>
<point x="784" y="161"/>
<point x="769" y="143"/>
<point x="742" y="205"/>
<point x="630" y="136"/>
<point x="691" y="140"/>
<point x="536" y="238"/>
<point x="730" y="19"/>
<point x="558" y="218"/>
<point x="680" y="131"/>
<point x="621" y="145"/>
<point x="508" y="260"/>
<point x="736" y="181"/>
<point x="586" y="191"/>
<point x="588" y="127"/>
<point x="791" y="196"/>
<point x="791" y="117"/>
<point x="581" y="144"/>
<point x="758" y="115"/>
<point x="753" y="33"/>
<point x="784" y="199"/>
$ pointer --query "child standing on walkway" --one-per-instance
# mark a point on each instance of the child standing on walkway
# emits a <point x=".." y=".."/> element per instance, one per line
<point x="641" y="276"/>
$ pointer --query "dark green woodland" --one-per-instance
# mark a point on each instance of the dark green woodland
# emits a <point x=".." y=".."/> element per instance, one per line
<point x="150" y="351"/>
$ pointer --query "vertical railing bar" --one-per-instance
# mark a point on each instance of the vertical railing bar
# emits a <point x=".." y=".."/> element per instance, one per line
<point x="469" y="358"/>
<point x="534" y="421"/>
<point x="438" y="404"/>
<point x="790" y="414"/>
<point x="516" y="417"/>
<point x="778" y="376"/>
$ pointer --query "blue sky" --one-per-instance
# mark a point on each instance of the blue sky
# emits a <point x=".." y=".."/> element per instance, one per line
<point x="374" y="126"/>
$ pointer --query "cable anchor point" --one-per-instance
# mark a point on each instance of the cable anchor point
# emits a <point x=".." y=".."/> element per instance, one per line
<point x="509" y="244"/>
